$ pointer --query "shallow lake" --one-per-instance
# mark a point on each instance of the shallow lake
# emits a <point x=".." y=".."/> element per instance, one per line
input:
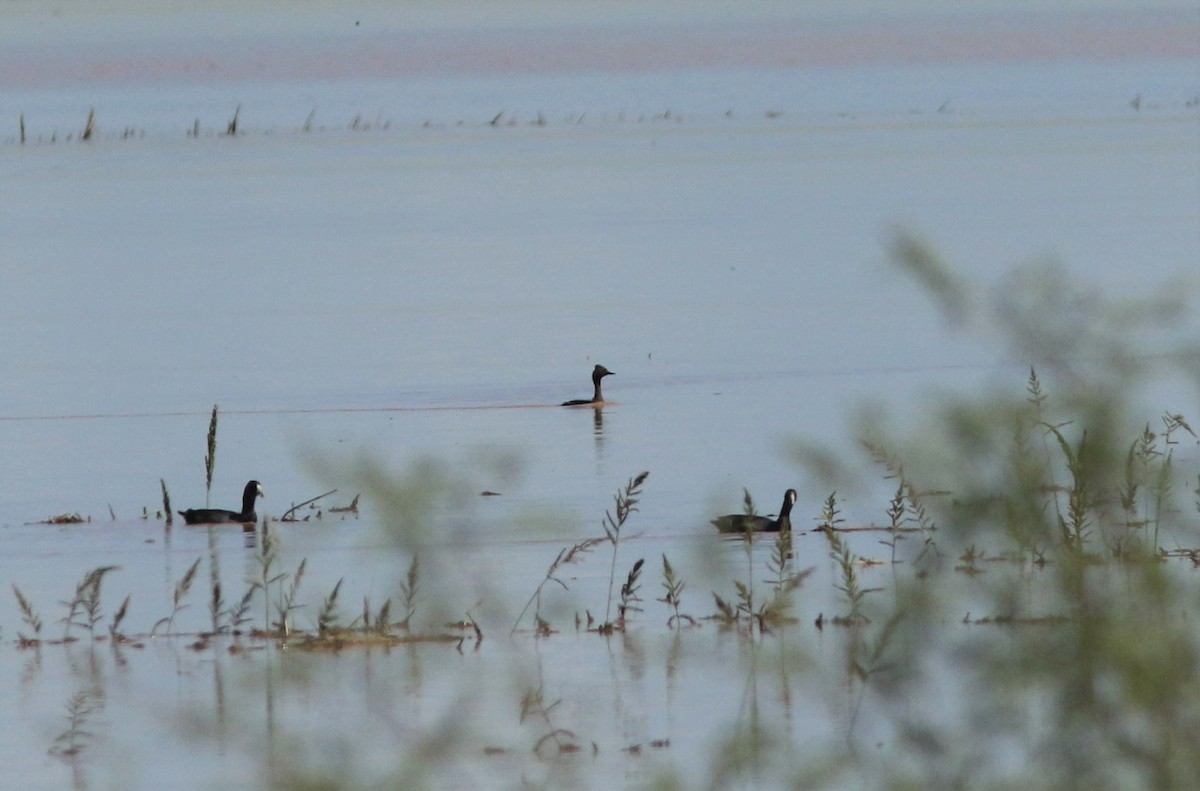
<point x="422" y="238"/>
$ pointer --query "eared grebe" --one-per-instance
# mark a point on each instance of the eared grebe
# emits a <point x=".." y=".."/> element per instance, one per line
<point x="598" y="373"/>
<point x="208" y="516"/>
<point x="740" y="523"/>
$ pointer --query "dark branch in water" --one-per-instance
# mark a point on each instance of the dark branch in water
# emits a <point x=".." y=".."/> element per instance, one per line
<point x="289" y="514"/>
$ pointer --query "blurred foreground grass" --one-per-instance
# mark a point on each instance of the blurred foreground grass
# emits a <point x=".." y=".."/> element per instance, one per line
<point x="1035" y="629"/>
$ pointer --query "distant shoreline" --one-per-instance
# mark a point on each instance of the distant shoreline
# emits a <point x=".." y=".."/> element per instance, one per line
<point x="59" y="52"/>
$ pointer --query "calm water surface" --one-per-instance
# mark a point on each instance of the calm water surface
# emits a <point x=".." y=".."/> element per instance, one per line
<point x="422" y="292"/>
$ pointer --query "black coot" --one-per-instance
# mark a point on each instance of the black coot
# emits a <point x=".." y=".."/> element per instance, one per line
<point x="208" y="516"/>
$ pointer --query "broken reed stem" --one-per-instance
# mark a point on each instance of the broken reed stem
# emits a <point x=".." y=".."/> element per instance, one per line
<point x="232" y="129"/>
<point x="22" y="125"/>
<point x="90" y="128"/>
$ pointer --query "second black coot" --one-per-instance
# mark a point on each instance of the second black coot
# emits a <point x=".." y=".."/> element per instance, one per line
<point x="740" y="523"/>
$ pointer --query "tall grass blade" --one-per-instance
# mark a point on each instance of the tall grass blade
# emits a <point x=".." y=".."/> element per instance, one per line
<point x="210" y="459"/>
<point x="166" y="502"/>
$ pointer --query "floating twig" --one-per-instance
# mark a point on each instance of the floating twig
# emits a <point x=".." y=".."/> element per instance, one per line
<point x="289" y="514"/>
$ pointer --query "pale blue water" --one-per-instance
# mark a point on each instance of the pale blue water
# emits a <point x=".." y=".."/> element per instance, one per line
<point x="493" y="267"/>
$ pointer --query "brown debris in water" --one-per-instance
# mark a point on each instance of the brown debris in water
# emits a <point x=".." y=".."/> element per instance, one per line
<point x="63" y="519"/>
